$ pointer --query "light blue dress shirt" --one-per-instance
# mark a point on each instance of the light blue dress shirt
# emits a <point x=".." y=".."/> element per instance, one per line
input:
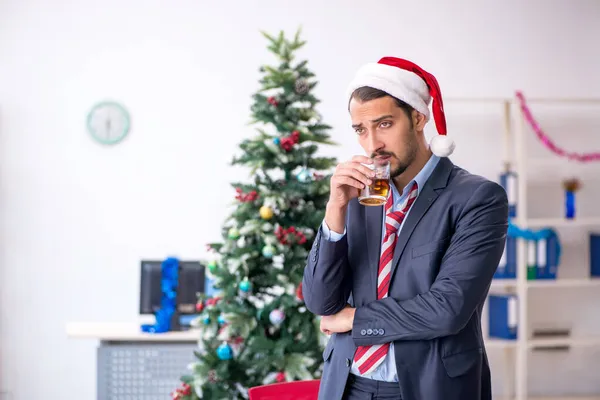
<point x="387" y="369"/>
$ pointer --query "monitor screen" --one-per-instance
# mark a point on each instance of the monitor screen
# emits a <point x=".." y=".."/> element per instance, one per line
<point x="191" y="282"/>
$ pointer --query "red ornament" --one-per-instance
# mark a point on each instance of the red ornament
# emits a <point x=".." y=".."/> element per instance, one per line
<point x="199" y="307"/>
<point x="280" y="377"/>
<point x="271" y="100"/>
<point x="299" y="292"/>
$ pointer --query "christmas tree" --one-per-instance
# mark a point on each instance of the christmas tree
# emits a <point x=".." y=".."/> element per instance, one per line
<point x="256" y="330"/>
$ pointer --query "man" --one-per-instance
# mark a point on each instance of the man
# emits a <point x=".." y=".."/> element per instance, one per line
<point x="402" y="300"/>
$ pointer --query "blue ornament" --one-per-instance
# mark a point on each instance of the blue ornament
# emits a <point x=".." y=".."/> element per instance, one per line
<point x="276" y="141"/>
<point x="245" y="286"/>
<point x="224" y="352"/>
<point x="304" y="176"/>
<point x="206" y="320"/>
<point x="221" y="319"/>
<point x="268" y="251"/>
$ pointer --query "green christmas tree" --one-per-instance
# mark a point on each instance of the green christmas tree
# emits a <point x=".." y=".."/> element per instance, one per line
<point x="257" y="330"/>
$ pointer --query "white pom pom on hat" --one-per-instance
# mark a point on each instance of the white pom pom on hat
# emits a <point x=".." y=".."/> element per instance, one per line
<point x="410" y="83"/>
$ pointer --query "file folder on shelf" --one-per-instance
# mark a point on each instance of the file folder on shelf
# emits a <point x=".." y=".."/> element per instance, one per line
<point x="503" y="320"/>
<point x="595" y="255"/>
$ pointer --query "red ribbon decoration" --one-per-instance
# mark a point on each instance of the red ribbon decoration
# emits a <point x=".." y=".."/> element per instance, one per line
<point x="585" y="157"/>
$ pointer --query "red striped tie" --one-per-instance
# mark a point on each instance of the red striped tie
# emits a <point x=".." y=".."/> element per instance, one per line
<point x="368" y="358"/>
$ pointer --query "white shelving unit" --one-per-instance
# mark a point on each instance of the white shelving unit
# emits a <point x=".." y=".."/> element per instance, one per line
<point x="517" y="352"/>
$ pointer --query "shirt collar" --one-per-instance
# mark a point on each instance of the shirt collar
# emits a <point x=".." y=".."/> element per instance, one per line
<point x="420" y="179"/>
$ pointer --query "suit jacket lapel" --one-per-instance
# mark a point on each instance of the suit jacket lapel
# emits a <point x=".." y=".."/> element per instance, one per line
<point x="427" y="196"/>
<point x="374" y="225"/>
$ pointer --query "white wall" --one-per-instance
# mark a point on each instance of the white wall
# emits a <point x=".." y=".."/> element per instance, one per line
<point x="77" y="217"/>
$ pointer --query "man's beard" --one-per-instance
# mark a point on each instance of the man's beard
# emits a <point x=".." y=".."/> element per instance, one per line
<point x="411" y="155"/>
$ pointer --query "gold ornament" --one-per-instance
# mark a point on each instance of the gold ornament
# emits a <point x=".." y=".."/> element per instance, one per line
<point x="266" y="212"/>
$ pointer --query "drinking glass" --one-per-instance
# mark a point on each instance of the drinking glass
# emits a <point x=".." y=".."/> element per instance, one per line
<point x="377" y="193"/>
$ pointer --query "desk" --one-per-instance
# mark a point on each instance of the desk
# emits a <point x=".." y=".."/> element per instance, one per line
<point x="134" y="365"/>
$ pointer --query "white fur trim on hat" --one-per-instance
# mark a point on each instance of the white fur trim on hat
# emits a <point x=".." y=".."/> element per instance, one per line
<point x="400" y="83"/>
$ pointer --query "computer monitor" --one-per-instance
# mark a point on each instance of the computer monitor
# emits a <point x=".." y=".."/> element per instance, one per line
<point x="191" y="282"/>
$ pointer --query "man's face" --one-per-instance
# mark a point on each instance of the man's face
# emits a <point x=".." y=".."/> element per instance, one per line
<point x="384" y="131"/>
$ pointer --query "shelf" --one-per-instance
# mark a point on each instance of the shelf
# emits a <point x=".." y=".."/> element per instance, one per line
<point x="495" y="343"/>
<point x="563" y="222"/>
<point x="544" y="283"/>
<point x="547" y="283"/>
<point x="565" y="341"/>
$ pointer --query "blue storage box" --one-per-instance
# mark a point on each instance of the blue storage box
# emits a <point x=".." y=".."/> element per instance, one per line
<point x="503" y="316"/>
<point x="595" y="255"/>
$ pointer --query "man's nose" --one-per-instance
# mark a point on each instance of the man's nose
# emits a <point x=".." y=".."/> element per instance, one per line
<point x="374" y="144"/>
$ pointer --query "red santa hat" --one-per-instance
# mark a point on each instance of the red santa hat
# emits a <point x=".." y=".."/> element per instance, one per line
<point x="410" y="83"/>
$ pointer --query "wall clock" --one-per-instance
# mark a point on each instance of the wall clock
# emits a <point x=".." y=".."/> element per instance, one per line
<point x="108" y="122"/>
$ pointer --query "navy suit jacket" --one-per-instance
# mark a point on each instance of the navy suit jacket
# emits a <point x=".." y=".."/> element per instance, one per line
<point x="444" y="261"/>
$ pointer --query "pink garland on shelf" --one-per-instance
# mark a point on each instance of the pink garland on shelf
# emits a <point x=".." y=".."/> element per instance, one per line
<point x="585" y="157"/>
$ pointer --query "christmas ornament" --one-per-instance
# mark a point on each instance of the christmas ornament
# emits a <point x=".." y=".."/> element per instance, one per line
<point x="277" y="141"/>
<point x="233" y="233"/>
<point x="184" y="390"/>
<point x="224" y="352"/>
<point x="581" y="157"/>
<point x="304" y="175"/>
<point x="299" y="294"/>
<point x="221" y="320"/>
<point x="301" y="86"/>
<point x="246" y="197"/>
<point x="206" y="320"/>
<point x="286" y="236"/>
<point x="212" y="376"/>
<point x="268" y="251"/>
<point x="245" y="285"/>
<point x="280" y="377"/>
<point x="199" y="306"/>
<point x="271" y="100"/>
<point x="287" y="143"/>
<point x="266" y="212"/>
<point x="212" y="266"/>
<point x="212" y="302"/>
<point x="276" y="316"/>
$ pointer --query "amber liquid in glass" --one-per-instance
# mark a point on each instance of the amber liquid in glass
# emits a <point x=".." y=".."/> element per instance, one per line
<point x="375" y="194"/>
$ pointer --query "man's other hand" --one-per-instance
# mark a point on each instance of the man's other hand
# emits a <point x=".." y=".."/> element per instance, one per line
<point x="338" y="323"/>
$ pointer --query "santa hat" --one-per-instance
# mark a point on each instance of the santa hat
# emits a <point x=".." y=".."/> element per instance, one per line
<point x="413" y="85"/>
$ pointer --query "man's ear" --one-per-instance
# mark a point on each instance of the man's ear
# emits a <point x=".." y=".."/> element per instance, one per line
<point x="418" y="120"/>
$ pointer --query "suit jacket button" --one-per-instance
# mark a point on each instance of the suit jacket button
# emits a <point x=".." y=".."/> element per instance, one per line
<point x="363" y="332"/>
<point x="381" y="331"/>
<point x="370" y="331"/>
<point x="347" y="362"/>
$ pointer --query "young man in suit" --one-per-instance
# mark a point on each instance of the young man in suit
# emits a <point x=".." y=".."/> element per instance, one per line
<point x="401" y="287"/>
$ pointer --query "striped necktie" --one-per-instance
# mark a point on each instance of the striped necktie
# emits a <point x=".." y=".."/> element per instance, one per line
<point x="368" y="358"/>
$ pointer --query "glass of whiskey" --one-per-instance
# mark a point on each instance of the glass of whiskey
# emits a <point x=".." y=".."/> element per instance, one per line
<point x="377" y="193"/>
